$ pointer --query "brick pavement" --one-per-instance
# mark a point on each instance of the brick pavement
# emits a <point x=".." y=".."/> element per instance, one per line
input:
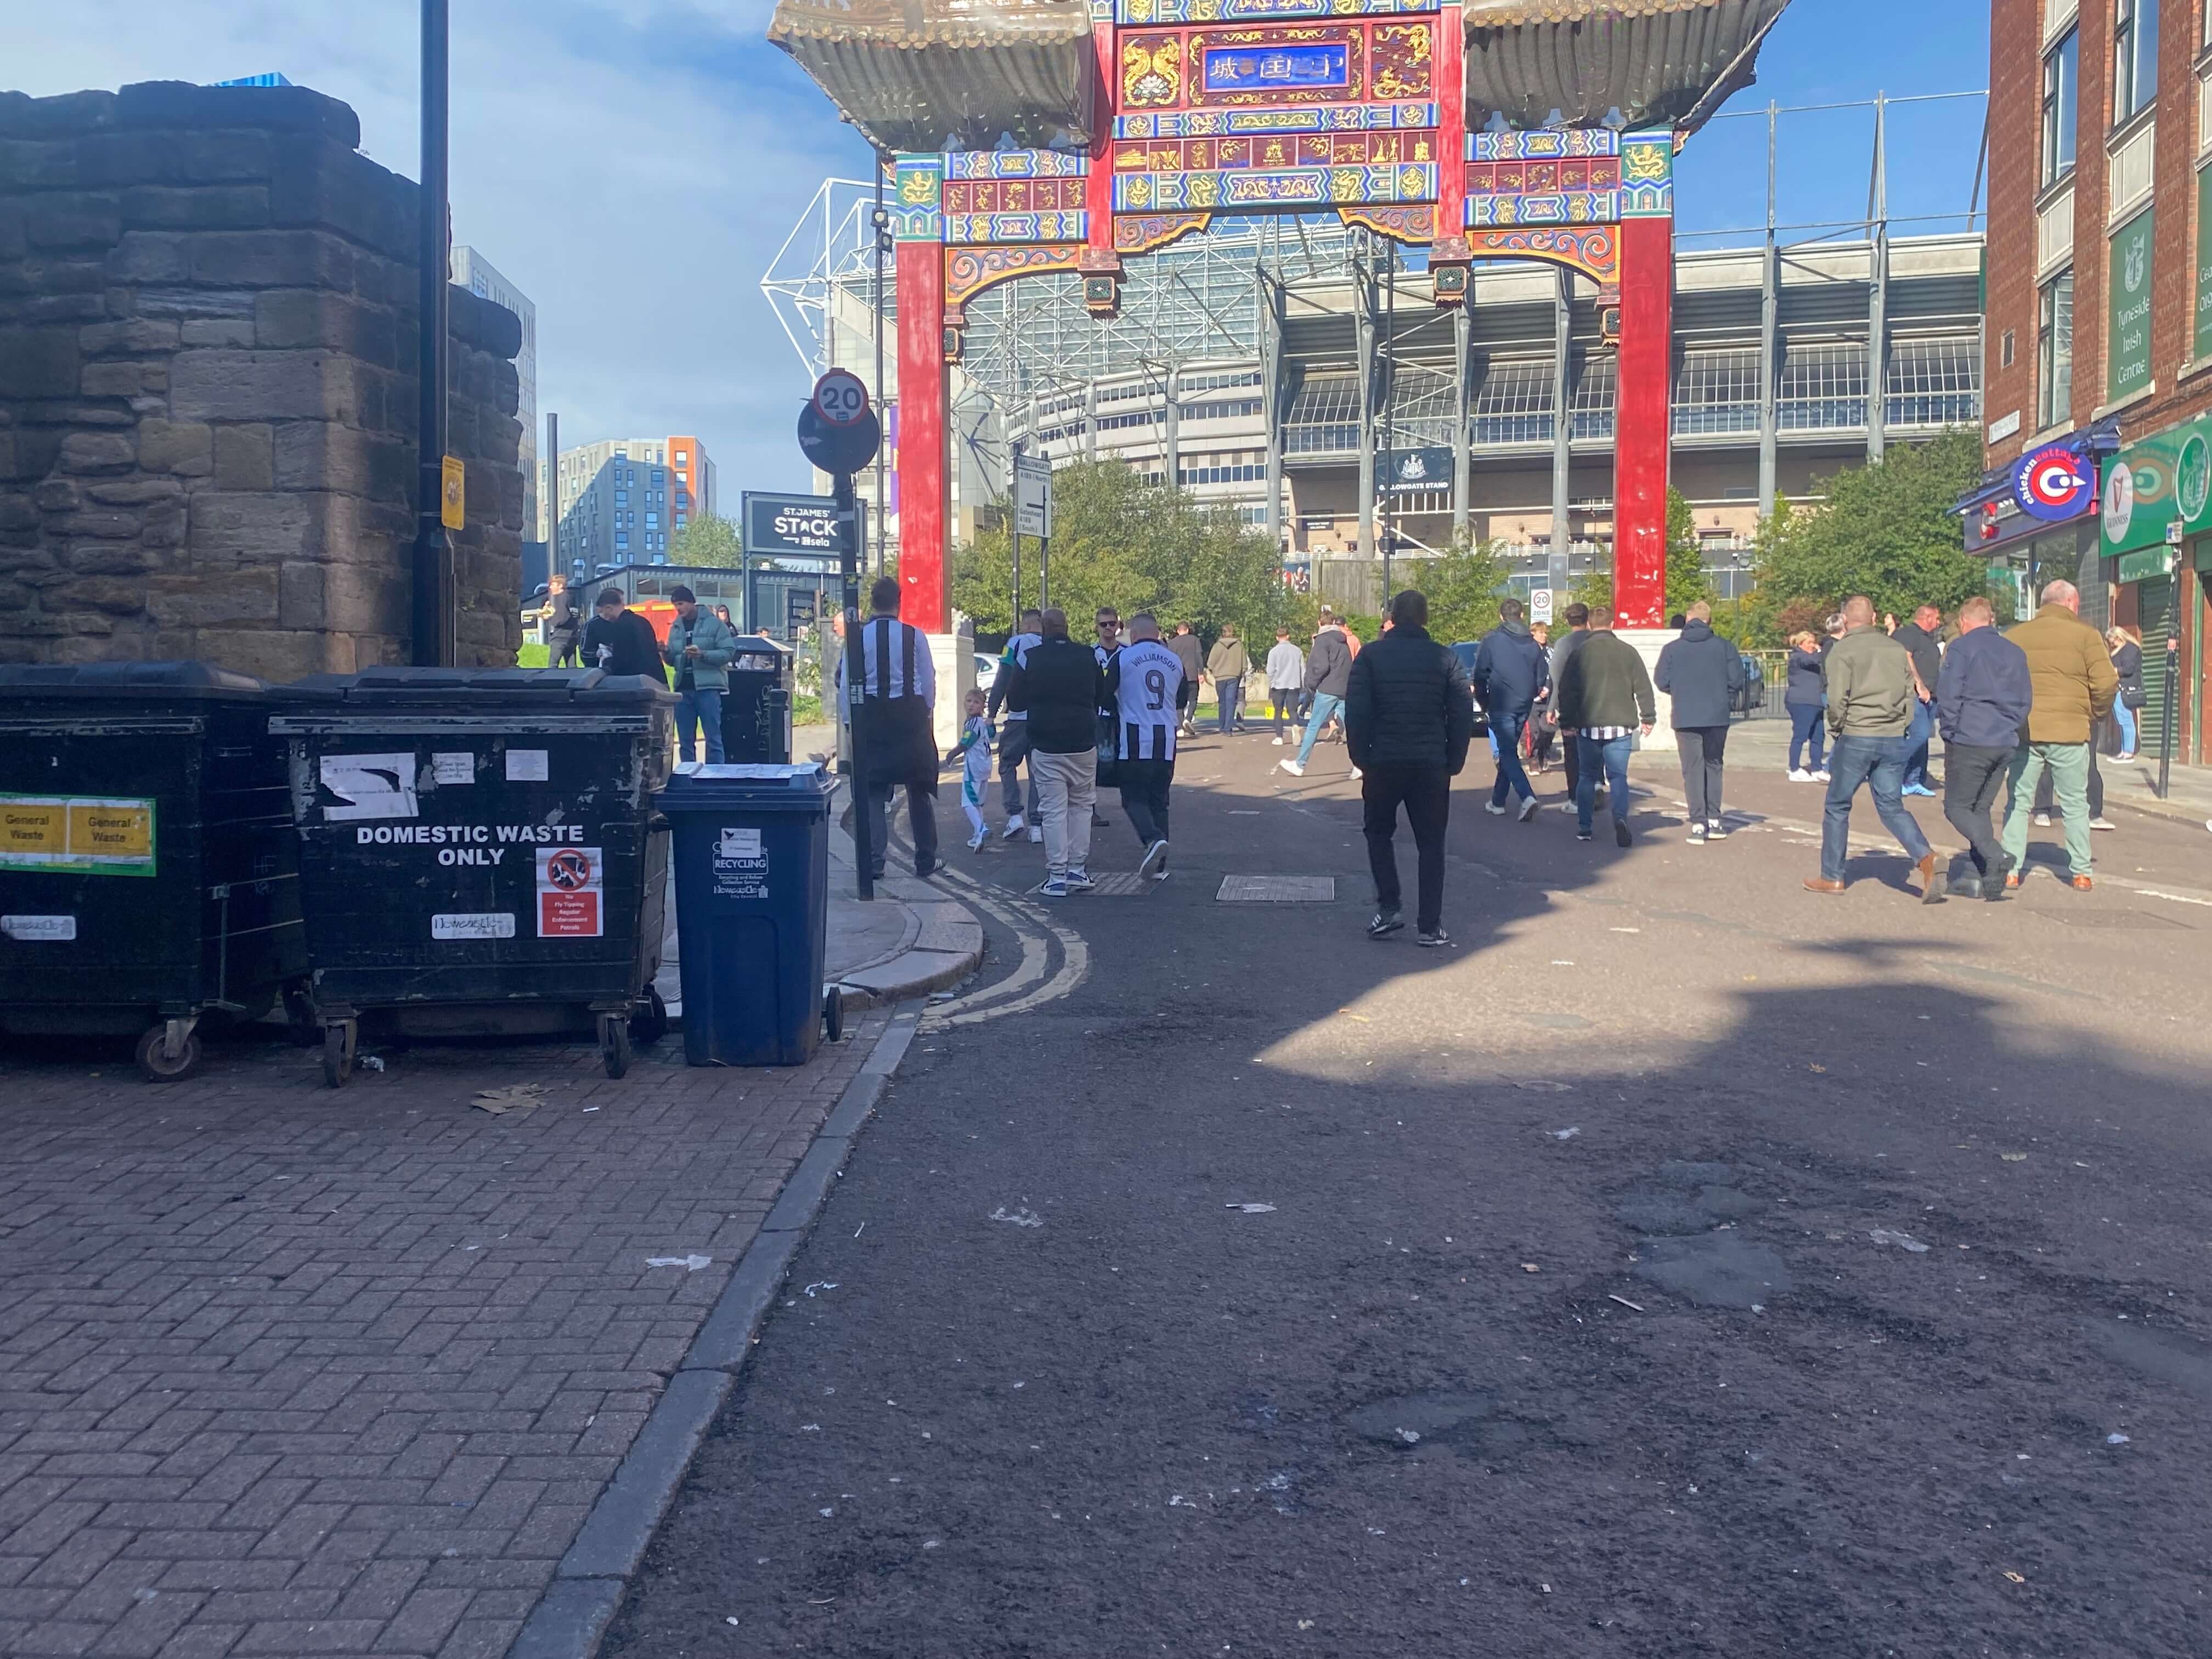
<point x="288" y="1371"/>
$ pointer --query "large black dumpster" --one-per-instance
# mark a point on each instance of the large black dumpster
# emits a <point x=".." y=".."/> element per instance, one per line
<point x="480" y="855"/>
<point x="757" y="708"/>
<point x="149" y="868"/>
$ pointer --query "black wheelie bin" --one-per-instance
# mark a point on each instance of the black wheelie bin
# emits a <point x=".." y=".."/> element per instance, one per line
<point x="149" y="867"/>
<point x="757" y="708"/>
<point x="480" y="855"/>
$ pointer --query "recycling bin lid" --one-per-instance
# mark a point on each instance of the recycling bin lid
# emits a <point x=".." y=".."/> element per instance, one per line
<point x="527" y="688"/>
<point x="184" y="681"/>
<point x="694" y="783"/>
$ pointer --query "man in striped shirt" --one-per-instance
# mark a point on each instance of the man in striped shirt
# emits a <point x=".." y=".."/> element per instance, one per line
<point x="892" y="713"/>
<point x="1144" y="683"/>
<point x="1605" y="702"/>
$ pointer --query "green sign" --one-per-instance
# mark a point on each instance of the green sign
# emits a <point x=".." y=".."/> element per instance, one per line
<point x="2143" y="564"/>
<point x="2201" y="347"/>
<point x="2154" y="481"/>
<point x="2126" y="309"/>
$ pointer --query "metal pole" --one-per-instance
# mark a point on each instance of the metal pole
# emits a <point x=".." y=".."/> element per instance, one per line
<point x="1386" y="521"/>
<point x="431" y="612"/>
<point x="1362" y="324"/>
<point x="1770" y="341"/>
<point x="856" y="678"/>
<point x="1563" y="433"/>
<point x="1878" y="286"/>
<point x="1014" y="528"/>
<point x="2172" y="674"/>
<point x="1271" y="400"/>
<point x="1171" y="413"/>
<point x="880" y="220"/>
<point x="1462" y="472"/>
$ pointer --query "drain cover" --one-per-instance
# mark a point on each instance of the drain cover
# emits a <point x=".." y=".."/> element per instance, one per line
<point x="1277" y="889"/>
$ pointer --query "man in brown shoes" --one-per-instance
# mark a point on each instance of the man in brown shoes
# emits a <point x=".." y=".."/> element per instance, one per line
<point x="1870" y="693"/>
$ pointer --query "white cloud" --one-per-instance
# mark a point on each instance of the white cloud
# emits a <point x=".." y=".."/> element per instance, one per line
<point x="630" y="170"/>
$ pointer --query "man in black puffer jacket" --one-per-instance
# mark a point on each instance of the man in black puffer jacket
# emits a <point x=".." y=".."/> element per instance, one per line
<point x="1409" y="718"/>
<point x="1704" y="674"/>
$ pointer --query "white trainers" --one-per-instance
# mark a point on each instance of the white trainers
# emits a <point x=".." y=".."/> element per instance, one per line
<point x="1078" y="881"/>
<point x="1014" y="827"/>
<point x="1355" y="774"/>
<point x="1036" y="835"/>
<point x="1528" y="809"/>
<point x="1716" y="831"/>
<point x="2043" y="820"/>
<point x="975" y="841"/>
<point x="1155" y="859"/>
<point x="1801" y="775"/>
<point x="1278" y="742"/>
<point x="1292" y="768"/>
<point x="1821" y="776"/>
<point x="1494" y="809"/>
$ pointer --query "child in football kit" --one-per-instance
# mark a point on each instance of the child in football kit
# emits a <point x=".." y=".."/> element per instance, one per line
<point x="975" y="746"/>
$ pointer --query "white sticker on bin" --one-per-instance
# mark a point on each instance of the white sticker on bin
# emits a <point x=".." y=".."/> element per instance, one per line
<point x="453" y="768"/>
<point x="476" y="924"/>
<point x="369" y="787"/>
<point x="526" y="766"/>
<point x="38" y="930"/>
<point x="740" y="844"/>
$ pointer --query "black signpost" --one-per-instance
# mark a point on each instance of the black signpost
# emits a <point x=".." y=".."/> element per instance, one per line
<point x="839" y="434"/>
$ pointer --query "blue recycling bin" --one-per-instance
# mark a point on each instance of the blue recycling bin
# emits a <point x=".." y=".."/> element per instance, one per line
<point x="751" y="846"/>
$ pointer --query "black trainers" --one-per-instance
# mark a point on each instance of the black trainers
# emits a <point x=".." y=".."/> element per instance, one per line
<point x="1386" y="921"/>
<point x="1620" y="836"/>
<point x="1435" y="941"/>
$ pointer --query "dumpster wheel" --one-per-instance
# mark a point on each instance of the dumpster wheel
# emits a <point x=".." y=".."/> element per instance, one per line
<point x="339" y="1037"/>
<point x="161" y="1066"/>
<point x="613" y="1042"/>
<point x="833" y="1014"/>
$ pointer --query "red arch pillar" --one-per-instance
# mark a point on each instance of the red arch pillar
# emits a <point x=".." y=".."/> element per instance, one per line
<point x="924" y="488"/>
<point x="1642" y="433"/>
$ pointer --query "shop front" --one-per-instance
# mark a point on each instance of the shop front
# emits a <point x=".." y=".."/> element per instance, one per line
<point x="2155" y="528"/>
<point x="2034" y="520"/>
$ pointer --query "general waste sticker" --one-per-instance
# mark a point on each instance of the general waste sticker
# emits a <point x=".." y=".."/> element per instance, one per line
<point x="38" y="930"/>
<point x="473" y="924"/>
<point x="369" y="787"/>
<point x="740" y="863"/>
<point x="570" y="895"/>
<point x="81" y="834"/>
<point x="453" y="768"/>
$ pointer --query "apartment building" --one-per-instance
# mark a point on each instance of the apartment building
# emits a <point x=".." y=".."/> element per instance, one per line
<point x="622" y="501"/>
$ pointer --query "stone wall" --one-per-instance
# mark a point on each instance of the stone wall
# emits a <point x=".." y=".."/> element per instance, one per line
<point x="207" y="385"/>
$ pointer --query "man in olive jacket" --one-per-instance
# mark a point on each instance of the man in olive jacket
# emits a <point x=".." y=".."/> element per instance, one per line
<point x="1605" y="702"/>
<point x="2074" y="683"/>
<point x="1870" y="710"/>
<point x="1409" y="718"/>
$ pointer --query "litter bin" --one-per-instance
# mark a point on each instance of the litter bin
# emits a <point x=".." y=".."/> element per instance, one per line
<point x="757" y="708"/>
<point x="753" y="911"/>
<point x="148" y="869"/>
<point x="479" y="854"/>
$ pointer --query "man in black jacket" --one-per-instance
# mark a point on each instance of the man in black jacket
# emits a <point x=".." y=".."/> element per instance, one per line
<point x="1328" y="676"/>
<point x="620" y="641"/>
<point x="1061" y="685"/>
<point x="1408" y="717"/>
<point x="1919" y="638"/>
<point x="1702" y="674"/>
<point x="1511" y="672"/>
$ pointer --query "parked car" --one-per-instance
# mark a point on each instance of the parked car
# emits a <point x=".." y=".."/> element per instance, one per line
<point x="1753" y="697"/>
<point x="987" y="672"/>
<point x="1466" y="651"/>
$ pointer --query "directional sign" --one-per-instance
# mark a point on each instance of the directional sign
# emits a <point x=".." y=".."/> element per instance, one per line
<point x="791" y="526"/>
<point x="839" y="449"/>
<point x="841" y="398"/>
<point x="1033" y="496"/>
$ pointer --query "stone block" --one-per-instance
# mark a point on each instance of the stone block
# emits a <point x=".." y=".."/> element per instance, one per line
<point x="242" y="596"/>
<point x="77" y="625"/>
<point x="299" y="258"/>
<point x="131" y="337"/>
<point x="289" y="318"/>
<point x="151" y="256"/>
<point x="326" y="183"/>
<point x="13" y="243"/>
<point x="37" y="450"/>
<point x="276" y="654"/>
<point x="95" y="453"/>
<point x="115" y="595"/>
<point x="196" y="302"/>
<point x="100" y="558"/>
<point x="27" y="165"/>
<point x="245" y="457"/>
<point x="110" y="525"/>
<point x="184" y="447"/>
<point x="218" y="156"/>
<point x="38" y="362"/>
<point x="360" y="598"/>
<point x="164" y="523"/>
<point x="66" y="116"/>
<point x="212" y="207"/>
<point x="18" y="512"/>
<point x="74" y="219"/>
<point x="275" y="109"/>
<point x="219" y="331"/>
<point x="58" y="495"/>
<point x="237" y="529"/>
<point x="299" y="596"/>
<point x="322" y="455"/>
<point x="76" y="309"/>
<point x="259" y="386"/>
<point x="115" y="380"/>
<point x="135" y="492"/>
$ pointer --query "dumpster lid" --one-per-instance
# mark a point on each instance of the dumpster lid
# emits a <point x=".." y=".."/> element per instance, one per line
<point x="533" y="688"/>
<point x="189" y="681"/>
<point x="765" y="786"/>
<point x="800" y="775"/>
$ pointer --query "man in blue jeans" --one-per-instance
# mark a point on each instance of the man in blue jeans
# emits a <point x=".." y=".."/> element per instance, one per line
<point x="1919" y="638"/>
<point x="1871" y="693"/>
<point x="1511" y="672"/>
<point x="1328" y="676"/>
<point x="1605" y="700"/>
<point x="700" y="647"/>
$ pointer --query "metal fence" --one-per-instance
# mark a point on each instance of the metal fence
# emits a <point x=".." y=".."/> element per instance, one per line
<point x="1774" y="668"/>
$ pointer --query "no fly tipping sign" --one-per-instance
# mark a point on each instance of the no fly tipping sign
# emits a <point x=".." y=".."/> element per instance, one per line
<point x="837" y="430"/>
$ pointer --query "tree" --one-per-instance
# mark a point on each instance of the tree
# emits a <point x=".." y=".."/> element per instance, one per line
<point x="708" y="539"/>
<point x="1464" y="586"/>
<point x="1886" y="531"/>
<point x="1119" y="540"/>
<point x="1685" y="565"/>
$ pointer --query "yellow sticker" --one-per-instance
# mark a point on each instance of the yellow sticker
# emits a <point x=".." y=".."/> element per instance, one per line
<point x="454" y="504"/>
<point x="84" y="834"/>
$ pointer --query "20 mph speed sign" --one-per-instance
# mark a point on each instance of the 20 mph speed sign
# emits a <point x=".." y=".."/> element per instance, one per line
<point x="841" y="398"/>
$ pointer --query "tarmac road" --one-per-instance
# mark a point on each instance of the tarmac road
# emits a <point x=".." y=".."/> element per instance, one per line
<point x="1684" y="1265"/>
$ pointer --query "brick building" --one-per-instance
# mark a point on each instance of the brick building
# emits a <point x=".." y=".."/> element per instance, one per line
<point x="2099" y="319"/>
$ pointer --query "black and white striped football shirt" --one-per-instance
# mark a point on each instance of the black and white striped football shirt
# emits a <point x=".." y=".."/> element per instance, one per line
<point x="1145" y="678"/>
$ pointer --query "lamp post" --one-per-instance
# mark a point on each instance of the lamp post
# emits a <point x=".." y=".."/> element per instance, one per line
<point x="431" y="620"/>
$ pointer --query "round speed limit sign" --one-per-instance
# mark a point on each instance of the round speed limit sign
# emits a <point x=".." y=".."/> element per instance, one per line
<point x="841" y="398"/>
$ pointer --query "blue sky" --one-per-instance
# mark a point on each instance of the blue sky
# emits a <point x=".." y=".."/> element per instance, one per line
<point x="633" y="168"/>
